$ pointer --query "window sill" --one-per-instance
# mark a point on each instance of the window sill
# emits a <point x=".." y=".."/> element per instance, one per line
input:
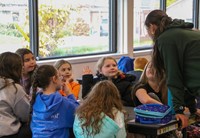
<point x="94" y="58"/>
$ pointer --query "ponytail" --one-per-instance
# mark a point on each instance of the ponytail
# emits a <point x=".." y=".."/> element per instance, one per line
<point x="41" y="79"/>
<point x="160" y="19"/>
<point x="33" y="95"/>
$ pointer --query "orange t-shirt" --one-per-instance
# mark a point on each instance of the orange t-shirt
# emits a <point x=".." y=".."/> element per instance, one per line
<point x="74" y="87"/>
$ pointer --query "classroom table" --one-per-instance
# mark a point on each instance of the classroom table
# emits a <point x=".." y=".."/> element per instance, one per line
<point x="152" y="130"/>
<point x="149" y="130"/>
<point x="155" y="130"/>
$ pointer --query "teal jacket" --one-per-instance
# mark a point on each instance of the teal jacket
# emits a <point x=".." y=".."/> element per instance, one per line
<point x="179" y="48"/>
<point x="109" y="128"/>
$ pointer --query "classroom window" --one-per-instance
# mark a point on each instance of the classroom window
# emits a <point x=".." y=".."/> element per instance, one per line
<point x="199" y="18"/>
<point x="74" y="27"/>
<point x="14" y="25"/>
<point x="181" y="9"/>
<point x="141" y="10"/>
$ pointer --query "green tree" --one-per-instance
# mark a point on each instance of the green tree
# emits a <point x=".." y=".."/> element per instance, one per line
<point x="169" y="2"/>
<point x="52" y="25"/>
<point x="55" y="24"/>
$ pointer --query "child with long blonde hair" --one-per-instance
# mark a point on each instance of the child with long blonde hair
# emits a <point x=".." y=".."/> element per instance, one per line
<point x="65" y="70"/>
<point x="101" y="113"/>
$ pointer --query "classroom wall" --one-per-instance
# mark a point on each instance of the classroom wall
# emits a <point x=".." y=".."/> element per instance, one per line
<point x="78" y="65"/>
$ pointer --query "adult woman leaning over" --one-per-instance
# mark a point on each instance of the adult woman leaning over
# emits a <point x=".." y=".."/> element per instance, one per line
<point x="176" y="50"/>
<point x="14" y="102"/>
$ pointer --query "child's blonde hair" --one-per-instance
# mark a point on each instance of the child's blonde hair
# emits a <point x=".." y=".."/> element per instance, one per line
<point x="59" y="63"/>
<point x="101" y="62"/>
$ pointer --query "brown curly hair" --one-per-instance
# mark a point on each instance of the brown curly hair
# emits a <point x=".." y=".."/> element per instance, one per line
<point x="103" y="97"/>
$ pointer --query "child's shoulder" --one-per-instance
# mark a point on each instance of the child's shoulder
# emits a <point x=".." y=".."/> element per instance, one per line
<point x="74" y="83"/>
<point x="126" y="77"/>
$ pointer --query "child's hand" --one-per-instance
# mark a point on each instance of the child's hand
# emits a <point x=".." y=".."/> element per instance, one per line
<point x="63" y="79"/>
<point x="198" y="112"/>
<point x="184" y="120"/>
<point x="87" y="70"/>
<point x="120" y="72"/>
<point x="66" y="89"/>
<point x="197" y="115"/>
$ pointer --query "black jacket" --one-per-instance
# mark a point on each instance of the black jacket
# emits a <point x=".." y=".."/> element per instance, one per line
<point x="123" y="82"/>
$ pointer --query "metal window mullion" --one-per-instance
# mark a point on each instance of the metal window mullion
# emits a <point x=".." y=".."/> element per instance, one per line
<point x="196" y="13"/>
<point x="163" y="5"/>
<point x="113" y="25"/>
<point x="33" y="19"/>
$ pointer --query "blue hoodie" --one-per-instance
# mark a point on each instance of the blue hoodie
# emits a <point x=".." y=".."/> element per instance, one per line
<point x="125" y="64"/>
<point x="53" y="115"/>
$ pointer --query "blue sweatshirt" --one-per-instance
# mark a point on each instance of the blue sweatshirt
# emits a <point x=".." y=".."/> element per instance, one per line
<point x="53" y="115"/>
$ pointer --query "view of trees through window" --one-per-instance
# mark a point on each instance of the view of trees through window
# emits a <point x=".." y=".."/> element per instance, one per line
<point x="66" y="27"/>
<point x="14" y="25"/>
<point x="73" y="27"/>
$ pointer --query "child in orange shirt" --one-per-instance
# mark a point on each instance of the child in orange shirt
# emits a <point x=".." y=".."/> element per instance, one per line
<point x="65" y="70"/>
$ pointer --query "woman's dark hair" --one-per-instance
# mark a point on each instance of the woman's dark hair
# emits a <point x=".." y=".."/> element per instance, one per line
<point x="162" y="21"/>
<point x="11" y="66"/>
<point x="41" y="79"/>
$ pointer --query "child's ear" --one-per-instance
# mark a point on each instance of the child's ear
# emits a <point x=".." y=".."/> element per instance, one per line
<point x="55" y="79"/>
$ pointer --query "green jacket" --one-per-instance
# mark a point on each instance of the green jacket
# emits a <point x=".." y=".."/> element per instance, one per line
<point x="179" y="48"/>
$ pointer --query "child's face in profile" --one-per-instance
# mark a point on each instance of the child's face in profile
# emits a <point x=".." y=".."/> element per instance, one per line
<point x="65" y="71"/>
<point x="29" y="63"/>
<point x="150" y="72"/>
<point x="109" y="69"/>
<point x="59" y="81"/>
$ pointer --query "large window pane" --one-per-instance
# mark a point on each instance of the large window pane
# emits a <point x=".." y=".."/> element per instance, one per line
<point x="198" y="18"/>
<point x="14" y="25"/>
<point x="181" y="9"/>
<point x="73" y="27"/>
<point x="141" y="10"/>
